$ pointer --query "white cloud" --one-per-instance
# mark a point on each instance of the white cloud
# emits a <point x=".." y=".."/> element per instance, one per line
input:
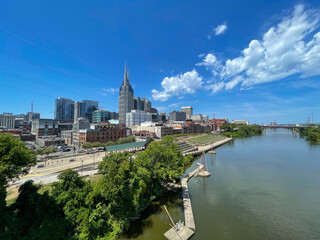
<point x="106" y="91"/>
<point x="291" y="47"/>
<point x="216" y="87"/>
<point x="209" y="60"/>
<point x="221" y="29"/>
<point x="178" y="85"/>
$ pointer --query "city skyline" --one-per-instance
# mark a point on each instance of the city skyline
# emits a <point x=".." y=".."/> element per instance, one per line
<point x="207" y="64"/>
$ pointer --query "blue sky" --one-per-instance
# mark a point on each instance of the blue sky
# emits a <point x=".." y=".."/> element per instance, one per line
<point x="256" y="60"/>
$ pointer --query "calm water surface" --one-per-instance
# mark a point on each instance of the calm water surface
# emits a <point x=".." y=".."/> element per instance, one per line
<point x="265" y="187"/>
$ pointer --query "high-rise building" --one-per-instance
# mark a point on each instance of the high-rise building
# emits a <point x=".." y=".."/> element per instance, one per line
<point x="145" y="104"/>
<point x="188" y="110"/>
<point x="126" y="95"/>
<point x="114" y="115"/>
<point x="101" y="116"/>
<point x="76" y="111"/>
<point x="64" y="109"/>
<point x="88" y="107"/>
<point x="136" y="117"/>
<point x="154" y="113"/>
<point x="7" y="120"/>
<point x="177" y="116"/>
<point x="138" y="104"/>
<point x="44" y="127"/>
<point x="163" y="117"/>
<point x="32" y="116"/>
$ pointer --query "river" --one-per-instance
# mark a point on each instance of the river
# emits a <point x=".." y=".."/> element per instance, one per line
<point x="262" y="187"/>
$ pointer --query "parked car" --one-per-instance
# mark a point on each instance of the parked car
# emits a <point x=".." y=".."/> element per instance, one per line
<point x="66" y="150"/>
<point x="40" y="166"/>
<point x="71" y="160"/>
<point x="81" y="151"/>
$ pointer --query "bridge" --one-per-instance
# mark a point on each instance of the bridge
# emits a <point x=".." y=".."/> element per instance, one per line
<point x="283" y="126"/>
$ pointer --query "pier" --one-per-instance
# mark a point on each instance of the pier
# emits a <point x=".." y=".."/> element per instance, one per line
<point x="188" y="214"/>
<point x="183" y="231"/>
<point x="187" y="230"/>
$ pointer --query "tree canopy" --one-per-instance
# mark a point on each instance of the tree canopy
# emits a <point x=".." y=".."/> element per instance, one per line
<point x="312" y="134"/>
<point x="240" y="130"/>
<point x="80" y="209"/>
<point x="15" y="159"/>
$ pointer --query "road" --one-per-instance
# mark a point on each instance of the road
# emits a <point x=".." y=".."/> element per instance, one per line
<point x="85" y="164"/>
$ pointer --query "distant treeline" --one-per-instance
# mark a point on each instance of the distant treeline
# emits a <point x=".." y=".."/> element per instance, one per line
<point x="312" y="134"/>
<point x="78" y="209"/>
<point x="240" y="130"/>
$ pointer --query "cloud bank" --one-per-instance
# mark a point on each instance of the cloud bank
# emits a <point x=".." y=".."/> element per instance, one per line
<point x="290" y="48"/>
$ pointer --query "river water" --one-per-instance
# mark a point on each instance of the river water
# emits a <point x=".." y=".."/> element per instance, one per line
<point x="262" y="187"/>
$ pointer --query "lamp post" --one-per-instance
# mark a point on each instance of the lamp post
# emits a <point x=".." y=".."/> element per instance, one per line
<point x="82" y="168"/>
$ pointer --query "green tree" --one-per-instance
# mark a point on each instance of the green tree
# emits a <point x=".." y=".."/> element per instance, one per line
<point x="37" y="216"/>
<point x="15" y="159"/>
<point x="45" y="151"/>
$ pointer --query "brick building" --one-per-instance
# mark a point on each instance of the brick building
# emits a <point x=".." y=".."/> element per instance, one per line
<point x="101" y="135"/>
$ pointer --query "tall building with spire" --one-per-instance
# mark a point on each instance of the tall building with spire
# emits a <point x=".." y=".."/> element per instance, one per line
<point x="126" y="103"/>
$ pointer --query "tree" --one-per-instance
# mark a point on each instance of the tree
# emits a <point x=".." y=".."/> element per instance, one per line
<point x="15" y="159"/>
<point x="46" y="151"/>
<point x="37" y="216"/>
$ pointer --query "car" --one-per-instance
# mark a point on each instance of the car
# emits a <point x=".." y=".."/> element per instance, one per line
<point x="66" y="150"/>
<point x="40" y="166"/>
<point x="81" y="151"/>
<point x="71" y="160"/>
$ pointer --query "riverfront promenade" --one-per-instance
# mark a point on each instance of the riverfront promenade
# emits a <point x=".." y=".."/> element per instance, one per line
<point x="186" y="231"/>
<point x="208" y="147"/>
<point x="188" y="214"/>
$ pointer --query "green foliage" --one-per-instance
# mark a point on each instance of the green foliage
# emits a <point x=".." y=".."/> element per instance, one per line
<point x="37" y="216"/>
<point x="15" y="159"/>
<point x="80" y="209"/>
<point x="45" y="150"/>
<point x="312" y="134"/>
<point x="240" y="130"/>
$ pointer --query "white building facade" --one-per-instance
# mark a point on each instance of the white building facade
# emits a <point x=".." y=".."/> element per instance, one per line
<point x="7" y="121"/>
<point x="241" y="122"/>
<point x="136" y="117"/>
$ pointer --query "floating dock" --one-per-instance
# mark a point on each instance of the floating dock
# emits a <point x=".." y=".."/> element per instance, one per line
<point x="188" y="230"/>
<point x="182" y="234"/>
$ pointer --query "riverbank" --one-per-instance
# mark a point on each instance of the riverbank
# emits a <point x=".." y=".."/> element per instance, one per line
<point x="262" y="187"/>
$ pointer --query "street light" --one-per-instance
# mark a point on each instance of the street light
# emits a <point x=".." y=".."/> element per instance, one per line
<point x="82" y="168"/>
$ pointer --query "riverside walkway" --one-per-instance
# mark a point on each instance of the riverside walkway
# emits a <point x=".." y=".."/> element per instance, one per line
<point x="188" y="214"/>
<point x="208" y="147"/>
<point x="186" y="231"/>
